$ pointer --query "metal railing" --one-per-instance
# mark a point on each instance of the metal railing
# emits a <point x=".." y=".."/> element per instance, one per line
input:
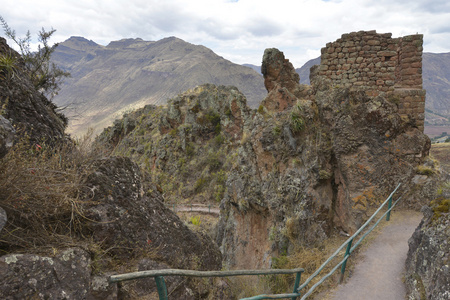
<point x="162" y="290"/>
<point x="349" y="248"/>
<point x="189" y="207"/>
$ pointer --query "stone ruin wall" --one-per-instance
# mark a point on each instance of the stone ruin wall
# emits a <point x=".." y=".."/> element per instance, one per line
<point x="377" y="63"/>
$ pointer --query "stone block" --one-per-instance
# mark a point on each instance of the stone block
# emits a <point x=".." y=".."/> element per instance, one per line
<point x="409" y="71"/>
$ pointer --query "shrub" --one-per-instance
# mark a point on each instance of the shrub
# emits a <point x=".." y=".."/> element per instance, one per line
<point x="276" y="130"/>
<point x="297" y="123"/>
<point x="200" y="184"/>
<point x="214" y="161"/>
<point x="424" y="170"/>
<point x="195" y="220"/>
<point x="8" y="66"/>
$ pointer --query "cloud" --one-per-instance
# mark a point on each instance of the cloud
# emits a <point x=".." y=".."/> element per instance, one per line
<point x="237" y="30"/>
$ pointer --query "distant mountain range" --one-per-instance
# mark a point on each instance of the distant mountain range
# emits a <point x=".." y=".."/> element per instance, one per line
<point x="108" y="81"/>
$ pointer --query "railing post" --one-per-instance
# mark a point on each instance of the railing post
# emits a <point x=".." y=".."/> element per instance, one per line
<point x="209" y="208"/>
<point x="388" y="216"/>
<point x="161" y="286"/>
<point x="296" y="284"/>
<point x="191" y="206"/>
<point x="347" y="252"/>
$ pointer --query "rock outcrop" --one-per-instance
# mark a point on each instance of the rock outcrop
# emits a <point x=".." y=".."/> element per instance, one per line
<point x="322" y="160"/>
<point x="130" y="223"/>
<point x="28" y="110"/>
<point x="187" y="147"/>
<point x="29" y="276"/>
<point x="281" y="81"/>
<point x="427" y="263"/>
<point x="310" y="161"/>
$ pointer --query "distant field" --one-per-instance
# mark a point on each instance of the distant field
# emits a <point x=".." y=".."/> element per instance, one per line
<point x="433" y="131"/>
<point x="441" y="152"/>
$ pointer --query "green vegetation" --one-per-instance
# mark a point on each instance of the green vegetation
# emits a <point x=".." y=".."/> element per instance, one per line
<point x="195" y="220"/>
<point x="297" y="122"/>
<point x="324" y="175"/>
<point x="424" y="170"/>
<point x="276" y="130"/>
<point x="8" y="66"/>
<point x="261" y="109"/>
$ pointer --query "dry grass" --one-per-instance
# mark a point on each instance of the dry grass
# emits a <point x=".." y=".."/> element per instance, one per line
<point x="41" y="185"/>
<point x="441" y="152"/>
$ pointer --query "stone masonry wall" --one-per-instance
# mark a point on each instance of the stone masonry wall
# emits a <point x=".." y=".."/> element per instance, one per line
<point x="377" y="63"/>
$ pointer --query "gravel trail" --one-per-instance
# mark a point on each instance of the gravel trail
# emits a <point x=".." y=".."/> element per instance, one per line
<point x="379" y="268"/>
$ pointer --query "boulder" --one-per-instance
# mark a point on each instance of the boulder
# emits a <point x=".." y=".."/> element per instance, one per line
<point x="28" y="276"/>
<point x="7" y="135"/>
<point x="129" y="223"/>
<point x="427" y="268"/>
<point x="28" y="110"/>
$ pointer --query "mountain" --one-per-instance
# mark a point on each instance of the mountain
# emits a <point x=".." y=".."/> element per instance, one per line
<point x="256" y="68"/>
<point x="304" y="70"/>
<point x="130" y="73"/>
<point x="436" y="80"/>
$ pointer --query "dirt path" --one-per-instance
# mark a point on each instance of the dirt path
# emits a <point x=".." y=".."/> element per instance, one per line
<point x="379" y="268"/>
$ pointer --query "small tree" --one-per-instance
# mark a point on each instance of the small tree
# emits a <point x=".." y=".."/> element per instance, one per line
<point x="44" y="74"/>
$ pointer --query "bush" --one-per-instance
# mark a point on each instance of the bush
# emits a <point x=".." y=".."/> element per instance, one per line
<point x="297" y="122"/>
<point x="200" y="184"/>
<point x="8" y="66"/>
<point x="424" y="170"/>
<point x="195" y="220"/>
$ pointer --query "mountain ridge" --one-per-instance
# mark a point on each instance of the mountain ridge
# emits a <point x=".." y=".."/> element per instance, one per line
<point x="127" y="74"/>
<point x="130" y="73"/>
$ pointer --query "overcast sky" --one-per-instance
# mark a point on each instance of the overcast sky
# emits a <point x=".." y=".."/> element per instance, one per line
<point x="238" y="30"/>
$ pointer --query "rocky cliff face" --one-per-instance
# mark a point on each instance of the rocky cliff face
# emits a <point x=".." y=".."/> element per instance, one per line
<point x="310" y="160"/>
<point x="324" y="160"/>
<point x="427" y="263"/>
<point x="188" y="147"/>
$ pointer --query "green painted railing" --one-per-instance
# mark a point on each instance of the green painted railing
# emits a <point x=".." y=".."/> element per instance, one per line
<point x="162" y="290"/>
<point x="350" y="248"/>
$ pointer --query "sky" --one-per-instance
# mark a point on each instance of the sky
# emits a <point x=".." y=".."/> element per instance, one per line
<point x="238" y="30"/>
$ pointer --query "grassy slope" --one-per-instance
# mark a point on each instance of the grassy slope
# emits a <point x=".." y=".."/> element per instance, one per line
<point x="441" y="152"/>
